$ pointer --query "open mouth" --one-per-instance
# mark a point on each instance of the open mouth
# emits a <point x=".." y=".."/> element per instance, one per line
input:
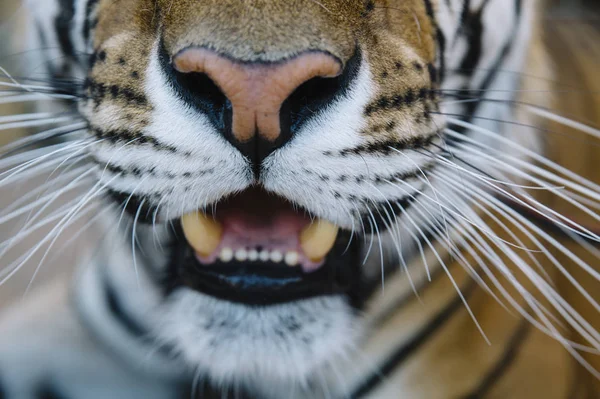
<point x="258" y="248"/>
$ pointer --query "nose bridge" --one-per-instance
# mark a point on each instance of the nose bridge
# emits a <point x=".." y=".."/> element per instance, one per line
<point x="260" y="30"/>
<point x="257" y="91"/>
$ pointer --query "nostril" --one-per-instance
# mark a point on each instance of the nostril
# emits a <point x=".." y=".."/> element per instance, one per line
<point x="198" y="91"/>
<point x="204" y="95"/>
<point x="308" y="100"/>
<point x="313" y="97"/>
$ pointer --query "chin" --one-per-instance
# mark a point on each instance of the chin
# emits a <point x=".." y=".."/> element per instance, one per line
<point x="259" y="288"/>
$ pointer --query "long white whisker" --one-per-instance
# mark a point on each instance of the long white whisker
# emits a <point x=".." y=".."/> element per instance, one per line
<point x="46" y="200"/>
<point x="469" y="232"/>
<point x="21" y="98"/>
<point x="6" y="175"/>
<point x="133" y="241"/>
<point x="529" y="153"/>
<point x="40" y="122"/>
<point x="542" y="285"/>
<point x="483" y="228"/>
<point x="395" y="238"/>
<point x="38" y="137"/>
<point x="59" y="228"/>
<point x="592" y="193"/>
<point x="445" y="268"/>
<point x="451" y="247"/>
<point x="564" y="120"/>
<point x="37" y="192"/>
<point x="77" y="234"/>
<point x="580" y="229"/>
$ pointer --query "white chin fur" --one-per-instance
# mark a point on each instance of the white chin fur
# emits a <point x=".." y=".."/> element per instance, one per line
<point x="284" y="344"/>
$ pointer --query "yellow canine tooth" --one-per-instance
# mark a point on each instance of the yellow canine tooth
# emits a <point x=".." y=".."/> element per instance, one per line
<point x="202" y="232"/>
<point x="317" y="239"/>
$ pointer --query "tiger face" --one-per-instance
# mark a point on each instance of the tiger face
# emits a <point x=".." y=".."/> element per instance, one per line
<point x="286" y="143"/>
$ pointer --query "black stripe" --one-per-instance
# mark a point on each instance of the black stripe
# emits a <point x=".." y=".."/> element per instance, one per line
<point x="471" y="108"/>
<point x="135" y="205"/>
<point x="118" y="312"/>
<point x="388" y="147"/>
<point x="132" y="326"/>
<point x="402" y="353"/>
<point x="2" y="391"/>
<point x="399" y="101"/>
<point x="472" y="29"/>
<point x="378" y="220"/>
<point x="135" y="138"/>
<point x="138" y="172"/>
<point x="99" y="91"/>
<point x="501" y="367"/>
<point x="88" y="24"/>
<point x="491" y="76"/>
<point x="204" y="388"/>
<point x="408" y="297"/>
<point x="47" y="391"/>
<point x="440" y="38"/>
<point x="62" y="24"/>
<point x="464" y="14"/>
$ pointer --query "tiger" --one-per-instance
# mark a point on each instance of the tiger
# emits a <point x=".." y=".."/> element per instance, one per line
<point x="306" y="199"/>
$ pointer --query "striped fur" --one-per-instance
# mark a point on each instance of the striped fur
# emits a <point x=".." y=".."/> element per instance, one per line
<point x="466" y="289"/>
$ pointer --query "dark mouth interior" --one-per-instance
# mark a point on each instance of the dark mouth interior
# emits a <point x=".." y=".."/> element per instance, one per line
<point x="259" y="282"/>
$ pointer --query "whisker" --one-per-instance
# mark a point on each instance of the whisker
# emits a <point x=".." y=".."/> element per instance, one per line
<point x="534" y="207"/>
<point x="77" y="234"/>
<point x="14" y="98"/>
<point x="46" y="200"/>
<point x="469" y="232"/>
<point x="25" y="160"/>
<point x="524" y="222"/>
<point x="445" y="268"/>
<point x="539" y="111"/>
<point x="93" y="193"/>
<point x="451" y="247"/>
<point x="18" y="145"/>
<point x="36" y="192"/>
<point x="133" y="240"/>
<point x="595" y="188"/>
<point x="507" y="166"/>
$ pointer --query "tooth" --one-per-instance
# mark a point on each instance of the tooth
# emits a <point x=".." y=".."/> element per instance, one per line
<point x="317" y="239"/>
<point x="241" y="255"/>
<point x="253" y="255"/>
<point x="291" y="258"/>
<point x="226" y="255"/>
<point x="276" y="256"/>
<point x="202" y="232"/>
<point x="264" y="255"/>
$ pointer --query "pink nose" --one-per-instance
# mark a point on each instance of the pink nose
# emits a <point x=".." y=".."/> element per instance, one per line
<point x="257" y="90"/>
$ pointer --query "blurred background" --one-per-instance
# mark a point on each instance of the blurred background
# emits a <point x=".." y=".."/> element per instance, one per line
<point x="76" y="241"/>
<point x="571" y="31"/>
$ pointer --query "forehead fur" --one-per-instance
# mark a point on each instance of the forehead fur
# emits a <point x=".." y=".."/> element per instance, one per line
<point x="269" y="30"/>
<point x="265" y="30"/>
